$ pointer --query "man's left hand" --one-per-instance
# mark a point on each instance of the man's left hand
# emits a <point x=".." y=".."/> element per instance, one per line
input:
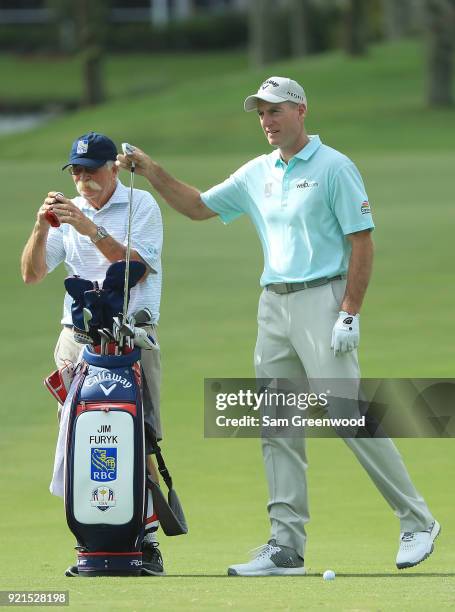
<point x="346" y="333"/>
<point x="67" y="212"/>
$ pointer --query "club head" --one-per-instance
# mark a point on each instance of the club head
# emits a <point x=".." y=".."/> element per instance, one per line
<point x="105" y="339"/>
<point x="127" y="331"/>
<point x="109" y="334"/>
<point x="116" y="325"/>
<point x="142" y="317"/>
<point x="81" y="336"/>
<point x="87" y="318"/>
<point x="128" y="149"/>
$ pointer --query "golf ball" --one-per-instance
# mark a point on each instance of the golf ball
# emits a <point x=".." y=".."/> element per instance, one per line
<point x="329" y="575"/>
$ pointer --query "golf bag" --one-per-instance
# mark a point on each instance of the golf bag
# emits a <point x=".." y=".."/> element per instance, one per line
<point x="108" y="494"/>
<point x="105" y="472"/>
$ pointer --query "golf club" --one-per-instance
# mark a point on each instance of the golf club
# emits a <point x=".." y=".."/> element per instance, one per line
<point x="142" y="317"/>
<point x="87" y="318"/>
<point x="126" y="332"/>
<point x="116" y="325"/>
<point x="127" y="150"/>
<point x="105" y="339"/>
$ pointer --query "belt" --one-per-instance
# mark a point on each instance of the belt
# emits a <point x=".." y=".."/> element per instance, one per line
<point x="152" y="325"/>
<point x="283" y="288"/>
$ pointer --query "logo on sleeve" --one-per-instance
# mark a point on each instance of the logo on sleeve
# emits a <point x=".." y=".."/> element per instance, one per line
<point x="365" y="208"/>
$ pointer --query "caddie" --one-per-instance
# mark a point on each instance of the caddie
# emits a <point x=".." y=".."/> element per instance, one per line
<point x="309" y="206"/>
<point x="93" y="234"/>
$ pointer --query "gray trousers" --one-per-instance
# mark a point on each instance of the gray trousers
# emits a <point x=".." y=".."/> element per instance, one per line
<point x="294" y="336"/>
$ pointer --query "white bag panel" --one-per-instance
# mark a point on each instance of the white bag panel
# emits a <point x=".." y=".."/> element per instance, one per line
<point x="103" y="471"/>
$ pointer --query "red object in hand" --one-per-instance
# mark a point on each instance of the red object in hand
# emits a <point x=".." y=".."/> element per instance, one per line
<point x="52" y="218"/>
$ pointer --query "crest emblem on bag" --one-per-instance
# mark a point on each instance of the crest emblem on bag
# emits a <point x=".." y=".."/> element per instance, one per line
<point x="103" y="498"/>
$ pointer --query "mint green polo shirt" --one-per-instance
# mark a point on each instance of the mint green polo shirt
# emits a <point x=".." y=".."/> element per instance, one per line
<point x="302" y="210"/>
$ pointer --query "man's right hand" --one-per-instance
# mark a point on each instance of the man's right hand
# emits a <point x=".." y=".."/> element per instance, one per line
<point x="182" y="197"/>
<point x="143" y="163"/>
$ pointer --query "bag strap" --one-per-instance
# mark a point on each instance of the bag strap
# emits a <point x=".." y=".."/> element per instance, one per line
<point x="156" y="450"/>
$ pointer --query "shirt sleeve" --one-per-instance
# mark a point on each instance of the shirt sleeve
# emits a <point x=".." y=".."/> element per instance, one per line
<point x="349" y="200"/>
<point x="228" y="199"/>
<point x="147" y="231"/>
<point x="55" y="250"/>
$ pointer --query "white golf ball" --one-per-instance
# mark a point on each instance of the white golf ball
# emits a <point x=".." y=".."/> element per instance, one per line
<point x="329" y="575"/>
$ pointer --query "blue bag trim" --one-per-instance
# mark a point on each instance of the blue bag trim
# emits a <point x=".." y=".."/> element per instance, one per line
<point x="111" y="361"/>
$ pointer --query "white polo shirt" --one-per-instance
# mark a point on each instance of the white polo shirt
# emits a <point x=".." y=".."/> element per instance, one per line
<point x="302" y="210"/>
<point x="82" y="257"/>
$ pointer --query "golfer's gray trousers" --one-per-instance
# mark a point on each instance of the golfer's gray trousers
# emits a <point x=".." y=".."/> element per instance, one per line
<point x="294" y="337"/>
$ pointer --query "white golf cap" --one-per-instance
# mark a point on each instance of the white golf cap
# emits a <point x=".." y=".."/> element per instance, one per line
<point x="276" y="89"/>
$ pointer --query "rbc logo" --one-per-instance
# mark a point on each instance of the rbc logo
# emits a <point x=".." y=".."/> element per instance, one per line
<point x="103" y="464"/>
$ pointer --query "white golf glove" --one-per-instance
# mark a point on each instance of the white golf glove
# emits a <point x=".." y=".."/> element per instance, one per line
<point x="346" y="333"/>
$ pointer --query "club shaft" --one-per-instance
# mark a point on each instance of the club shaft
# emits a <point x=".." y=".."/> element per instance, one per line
<point x="128" y="245"/>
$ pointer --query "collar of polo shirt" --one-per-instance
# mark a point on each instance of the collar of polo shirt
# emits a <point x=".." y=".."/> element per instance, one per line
<point x="305" y="153"/>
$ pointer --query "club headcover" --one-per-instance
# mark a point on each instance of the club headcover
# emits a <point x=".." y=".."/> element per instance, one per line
<point x="94" y="302"/>
<point x="143" y="340"/>
<point x="76" y="287"/>
<point x="114" y="284"/>
<point x="115" y="275"/>
<point x="169" y="511"/>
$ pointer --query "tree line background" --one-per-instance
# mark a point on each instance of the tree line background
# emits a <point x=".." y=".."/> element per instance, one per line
<point x="270" y="29"/>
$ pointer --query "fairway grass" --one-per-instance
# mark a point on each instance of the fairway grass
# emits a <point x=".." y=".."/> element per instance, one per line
<point x="208" y="329"/>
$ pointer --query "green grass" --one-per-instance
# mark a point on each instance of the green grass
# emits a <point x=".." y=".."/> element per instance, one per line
<point x="57" y="79"/>
<point x="369" y="110"/>
<point x="369" y="104"/>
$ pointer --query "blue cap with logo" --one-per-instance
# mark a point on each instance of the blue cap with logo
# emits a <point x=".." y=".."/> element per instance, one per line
<point x="92" y="150"/>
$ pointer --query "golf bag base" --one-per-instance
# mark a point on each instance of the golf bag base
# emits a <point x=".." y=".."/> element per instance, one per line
<point x="109" y="564"/>
<point x="105" y="498"/>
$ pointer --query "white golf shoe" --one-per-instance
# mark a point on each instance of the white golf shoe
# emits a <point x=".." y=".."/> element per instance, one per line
<point x="416" y="546"/>
<point x="271" y="560"/>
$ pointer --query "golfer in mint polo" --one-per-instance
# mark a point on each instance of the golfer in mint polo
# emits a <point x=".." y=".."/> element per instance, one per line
<point x="311" y="211"/>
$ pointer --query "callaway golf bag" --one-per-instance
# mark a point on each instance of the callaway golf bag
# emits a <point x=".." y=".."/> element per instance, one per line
<point x="108" y="494"/>
<point x="105" y="474"/>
